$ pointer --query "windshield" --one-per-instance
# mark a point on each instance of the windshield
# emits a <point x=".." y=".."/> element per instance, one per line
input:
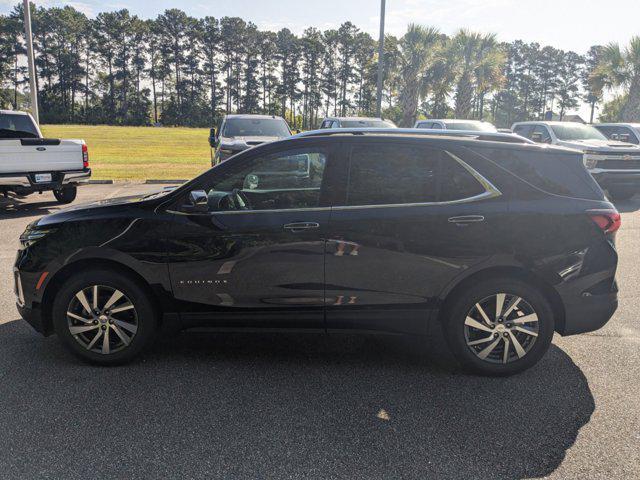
<point x="17" y="126"/>
<point x="472" y="126"/>
<point x="577" y="132"/>
<point x="256" y="127"/>
<point x="366" y="124"/>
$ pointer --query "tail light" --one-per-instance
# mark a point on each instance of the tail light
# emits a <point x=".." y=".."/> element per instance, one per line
<point x="85" y="156"/>
<point x="609" y="221"/>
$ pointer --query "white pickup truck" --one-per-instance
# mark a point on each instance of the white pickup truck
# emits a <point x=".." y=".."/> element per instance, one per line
<point x="30" y="163"/>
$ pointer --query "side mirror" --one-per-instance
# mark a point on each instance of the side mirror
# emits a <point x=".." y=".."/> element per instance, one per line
<point x="213" y="137"/>
<point x="298" y="131"/>
<point x="198" y="201"/>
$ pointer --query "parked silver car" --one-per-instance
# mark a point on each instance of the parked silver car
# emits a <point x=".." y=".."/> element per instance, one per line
<point x="456" y="124"/>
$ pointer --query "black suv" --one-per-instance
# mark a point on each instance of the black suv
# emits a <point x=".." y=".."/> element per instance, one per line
<point x="499" y="242"/>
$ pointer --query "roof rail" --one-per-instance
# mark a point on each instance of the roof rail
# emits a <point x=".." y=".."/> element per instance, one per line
<point x="470" y="134"/>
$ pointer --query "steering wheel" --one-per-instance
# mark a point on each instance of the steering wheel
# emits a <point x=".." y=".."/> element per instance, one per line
<point x="240" y="200"/>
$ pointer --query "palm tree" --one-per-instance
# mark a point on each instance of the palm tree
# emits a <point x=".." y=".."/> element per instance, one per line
<point x="479" y="63"/>
<point x="620" y="68"/>
<point x="418" y="49"/>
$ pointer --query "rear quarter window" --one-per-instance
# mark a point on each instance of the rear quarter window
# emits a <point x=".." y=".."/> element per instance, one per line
<point x="556" y="173"/>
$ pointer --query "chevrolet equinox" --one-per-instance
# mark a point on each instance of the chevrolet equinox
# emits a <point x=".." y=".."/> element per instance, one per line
<point x="500" y="243"/>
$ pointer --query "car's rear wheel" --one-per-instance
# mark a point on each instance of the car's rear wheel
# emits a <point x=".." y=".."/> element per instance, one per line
<point x="499" y="327"/>
<point x="104" y="317"/>
<point x="66" y="194"/>
<point x="622" y="193"/>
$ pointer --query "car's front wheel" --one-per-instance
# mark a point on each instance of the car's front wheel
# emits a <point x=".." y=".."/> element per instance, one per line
<point x="104" y="316"/>
<point x="499" y="327"/>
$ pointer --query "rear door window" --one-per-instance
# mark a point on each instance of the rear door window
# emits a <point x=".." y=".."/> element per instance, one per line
<point x="394" y="174"/>
<point x="541" y="134"/>
<point x="523" y="130"/>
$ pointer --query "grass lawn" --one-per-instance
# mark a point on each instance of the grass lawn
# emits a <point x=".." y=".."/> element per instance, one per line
<point x="140" y="153"/>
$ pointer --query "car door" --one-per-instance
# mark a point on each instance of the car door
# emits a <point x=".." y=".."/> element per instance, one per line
<point x="413" y="218"/>
<point x="256" y="255"/>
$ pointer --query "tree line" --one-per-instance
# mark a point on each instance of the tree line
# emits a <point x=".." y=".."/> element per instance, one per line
<point x="175" y="69"/>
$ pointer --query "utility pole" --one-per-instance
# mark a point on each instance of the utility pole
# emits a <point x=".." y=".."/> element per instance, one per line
<point x="30" y="61"/>
<point x="381" y="58"/>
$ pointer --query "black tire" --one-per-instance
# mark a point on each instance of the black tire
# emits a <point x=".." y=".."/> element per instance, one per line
<point x="66" y="194"/>
<point x="146" y="318"/>
<point x="458" y="308"/>
<point x="622" y="193"/>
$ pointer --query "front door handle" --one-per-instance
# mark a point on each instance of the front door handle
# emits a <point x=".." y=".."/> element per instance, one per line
<point x="301" y="226"/>
<point x="465" y="219"/>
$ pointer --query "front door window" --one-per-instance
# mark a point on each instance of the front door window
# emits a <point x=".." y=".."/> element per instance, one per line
<point x="283" y="181"/>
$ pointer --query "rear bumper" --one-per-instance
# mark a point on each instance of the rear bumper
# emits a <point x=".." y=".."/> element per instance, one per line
<point x="25" y="182"/>
<point x="616" y="178"/>
<point x="588" y="313"/>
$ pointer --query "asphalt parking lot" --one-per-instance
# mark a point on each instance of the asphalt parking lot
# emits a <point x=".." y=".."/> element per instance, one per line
<point x="312" y="406"/>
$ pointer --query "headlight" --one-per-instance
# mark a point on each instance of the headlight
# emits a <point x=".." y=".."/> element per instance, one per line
<point x="591" y="159"/>
<point x="225" y="151"/>
<point x="31" y="236"/>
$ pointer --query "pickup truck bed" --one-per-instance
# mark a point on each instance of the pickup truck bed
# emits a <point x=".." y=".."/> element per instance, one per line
<point x="30" y="163"/>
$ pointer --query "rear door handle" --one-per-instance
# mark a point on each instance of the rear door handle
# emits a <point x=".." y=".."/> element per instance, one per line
<point x="465" y="219"/>
<point x="301" y="226"/>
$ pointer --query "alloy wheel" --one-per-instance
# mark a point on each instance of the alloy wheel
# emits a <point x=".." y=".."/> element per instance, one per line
<point x="102" y="319"/>
<point x="501" y="328"/>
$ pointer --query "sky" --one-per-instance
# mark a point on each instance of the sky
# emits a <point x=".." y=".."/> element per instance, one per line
<point x="566" y="24"/>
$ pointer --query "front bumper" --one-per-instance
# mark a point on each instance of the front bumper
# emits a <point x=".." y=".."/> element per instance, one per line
<point x="30" y="311"/>
<point x="33" y="316"/>
<point x="616" y="178"/>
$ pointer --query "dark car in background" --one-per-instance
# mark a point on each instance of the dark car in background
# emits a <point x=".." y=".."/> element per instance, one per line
<point x="241" y="132"/>
<point x="499" y="243"/>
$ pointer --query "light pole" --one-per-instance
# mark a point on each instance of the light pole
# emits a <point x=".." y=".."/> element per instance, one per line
<point x="380" y="58"/>
<point x="30" y="61"/>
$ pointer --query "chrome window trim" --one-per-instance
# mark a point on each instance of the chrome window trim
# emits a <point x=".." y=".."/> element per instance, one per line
<point x="237" y="212"/>
<point x="482" y="196"/>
